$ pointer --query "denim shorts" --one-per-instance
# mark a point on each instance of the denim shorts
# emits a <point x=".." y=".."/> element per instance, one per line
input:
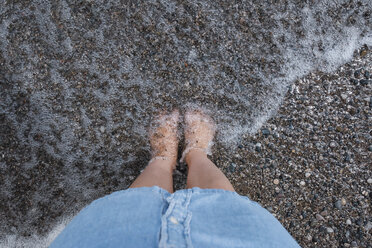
<point x="152" y="217"/>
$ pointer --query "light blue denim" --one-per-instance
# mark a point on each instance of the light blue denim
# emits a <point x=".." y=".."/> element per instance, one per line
<point x="152" y="217"/>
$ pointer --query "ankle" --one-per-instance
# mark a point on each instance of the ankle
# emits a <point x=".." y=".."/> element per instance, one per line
<point x="166" y="162"/>
<point x="195" y="154"/>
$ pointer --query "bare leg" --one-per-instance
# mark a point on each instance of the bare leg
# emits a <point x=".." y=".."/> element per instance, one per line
<point x="164" y="144"/>
<point x="157" y="173"/>
<point x="202" y="172"/>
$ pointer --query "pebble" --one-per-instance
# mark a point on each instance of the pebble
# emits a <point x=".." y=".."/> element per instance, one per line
<point x="102" y="129"/>
<point x="354" y="244"/>
<point x="307" y="174"/>
<point x="333" y="144"/>
<point x="315" y="239"/>
<point x="363" y="53"/>
<point x="258" y="147"/>
<point x="354" y="81"/>
<point x="329" y="230"/>
<point x="357" y="73"/>
<point x="367" y="74"/>
<point x="319" y="217"/>
<point x="232" y="167"/>
<point x="343" y="201"/>
<point x="348" y="222"/>
<point x="265" y="132"/>
<point x="370" y="148"/>
<point x="369" y="180"/>
<point x="324" y="213"/>
<point x="302" y="183"/>
<point x="347" y="157"/>
<point x="338" y="205"/>
<point x="364" y="82"/>
<point x="276" y="181"/>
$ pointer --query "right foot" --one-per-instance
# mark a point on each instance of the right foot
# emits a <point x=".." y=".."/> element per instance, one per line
<point x="163" y="137"/>
<point x="199" y="132"/>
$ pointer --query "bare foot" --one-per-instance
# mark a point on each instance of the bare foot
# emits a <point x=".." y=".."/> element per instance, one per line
<point x="164" y="138"/>
<point x="199" y="132"/>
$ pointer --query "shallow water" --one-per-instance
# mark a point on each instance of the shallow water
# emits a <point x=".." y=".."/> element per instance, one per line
<point x="80" y="81"/>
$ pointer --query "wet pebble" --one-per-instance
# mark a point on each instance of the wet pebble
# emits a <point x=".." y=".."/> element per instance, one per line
<point x="354" y="81"/>
<point x="324" y="213"/>
<point x="330" y="230"/>
<point x="232" y="167"/>
<point x="258" y="147"/>
<point x="333" y="144"/>
<point x="364" y="82"/>
<point x="265" y="132"/>
<point x="367" y="74"/>
<point x="319" y="217"/>
<point x="338" y="205"/>
<point x="370" y="148"/>
<point x="315" y="239"/>
<point x="357" y="73"/>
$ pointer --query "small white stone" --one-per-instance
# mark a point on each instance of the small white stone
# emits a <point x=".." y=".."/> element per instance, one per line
<point x="307" y="174"/>
<point x="102" y="129"/>
<point x="173" y="220"/>
<point x="302" y="183"/>
<point x="333" y="144"/>
<point x="369" y="180"/>
<point x="329" y="230"/>
<point x="348" y="222"/>
<point x="276" y="181"/>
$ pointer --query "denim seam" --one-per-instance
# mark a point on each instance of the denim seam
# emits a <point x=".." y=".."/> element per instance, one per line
<point x="187" y="220"/>
<point x="164" y="223"/>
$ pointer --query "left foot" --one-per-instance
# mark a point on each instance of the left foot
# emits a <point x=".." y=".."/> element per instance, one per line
<point x="164" y="138"/>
